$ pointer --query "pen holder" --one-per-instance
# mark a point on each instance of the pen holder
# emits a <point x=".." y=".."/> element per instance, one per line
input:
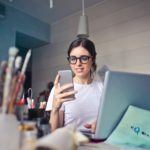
<point x="9" y="136"/>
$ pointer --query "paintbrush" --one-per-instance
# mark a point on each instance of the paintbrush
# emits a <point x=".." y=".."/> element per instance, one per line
<point x="12" y="54"/>
<point x="15" y="76"/>
<point x="3" y="68"/>
<point x="20" y="82"/>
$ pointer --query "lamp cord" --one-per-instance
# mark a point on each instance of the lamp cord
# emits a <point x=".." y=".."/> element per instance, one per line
<point x="51" y="3"/>
<point x="83" y="8"/>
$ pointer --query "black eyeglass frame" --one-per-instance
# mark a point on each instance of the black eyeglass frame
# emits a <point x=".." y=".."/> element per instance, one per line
<point x="80" y="59"/>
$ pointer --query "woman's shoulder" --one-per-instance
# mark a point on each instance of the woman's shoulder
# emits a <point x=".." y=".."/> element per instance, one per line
<point x="98" y="83"/>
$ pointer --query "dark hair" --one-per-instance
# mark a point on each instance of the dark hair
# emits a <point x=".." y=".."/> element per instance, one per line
<point x="89" y="46"/>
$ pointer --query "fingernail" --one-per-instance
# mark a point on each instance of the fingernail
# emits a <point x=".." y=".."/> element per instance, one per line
<point x="76" y="91"/>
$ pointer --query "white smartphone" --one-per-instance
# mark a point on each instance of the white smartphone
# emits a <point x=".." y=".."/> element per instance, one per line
<point x="65" y="78"/>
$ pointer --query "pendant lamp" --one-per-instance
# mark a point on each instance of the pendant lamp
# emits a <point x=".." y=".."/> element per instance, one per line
<point x="83" y="29"/>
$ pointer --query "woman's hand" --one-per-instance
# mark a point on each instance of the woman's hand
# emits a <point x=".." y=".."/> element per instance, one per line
<point x="59" y="95"/>
<point x="91" y="126"/>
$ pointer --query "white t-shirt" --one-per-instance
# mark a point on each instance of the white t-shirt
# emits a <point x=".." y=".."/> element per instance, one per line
<point x="84" y="108"/>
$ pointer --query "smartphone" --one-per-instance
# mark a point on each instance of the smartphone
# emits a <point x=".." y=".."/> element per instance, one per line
<point x="65" y="78"/>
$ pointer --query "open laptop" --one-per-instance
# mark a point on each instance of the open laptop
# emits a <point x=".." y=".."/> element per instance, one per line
<point x="121" y="89"/>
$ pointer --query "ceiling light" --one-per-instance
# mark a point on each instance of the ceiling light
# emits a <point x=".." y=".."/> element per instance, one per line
<point x="83" y="29"/>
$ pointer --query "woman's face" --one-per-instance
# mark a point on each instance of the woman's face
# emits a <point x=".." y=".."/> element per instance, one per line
<point x="82" y="70"/>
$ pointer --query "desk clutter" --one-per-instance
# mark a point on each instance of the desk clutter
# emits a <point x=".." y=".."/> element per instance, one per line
<point x="22" y="120"/>
<point x="12" y="78"/>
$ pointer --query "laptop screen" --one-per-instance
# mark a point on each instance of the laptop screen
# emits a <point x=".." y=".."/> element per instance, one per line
<point x="121" y="89"/>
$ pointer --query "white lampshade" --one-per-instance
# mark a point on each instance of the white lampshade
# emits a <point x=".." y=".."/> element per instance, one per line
<point x="83" y="28"/>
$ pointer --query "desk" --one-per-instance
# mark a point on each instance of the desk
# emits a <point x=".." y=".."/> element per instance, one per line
<point x="9" y="138"/>
<point x="98" y="146"/>
<point x="104" y="146"/>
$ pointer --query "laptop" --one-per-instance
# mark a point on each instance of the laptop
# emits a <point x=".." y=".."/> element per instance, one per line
<point x="121" y="89"/>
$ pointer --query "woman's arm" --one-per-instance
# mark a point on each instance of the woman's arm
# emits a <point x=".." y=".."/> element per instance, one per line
<point x="59" y="97"/>
<point x="56" y="119"/>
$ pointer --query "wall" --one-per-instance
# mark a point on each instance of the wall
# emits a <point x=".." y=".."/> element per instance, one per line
<point x="16" y="20"/>
<point x="120" y="30"/>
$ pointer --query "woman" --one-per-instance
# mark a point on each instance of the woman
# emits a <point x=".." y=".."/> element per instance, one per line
<point x="83" y="110"/>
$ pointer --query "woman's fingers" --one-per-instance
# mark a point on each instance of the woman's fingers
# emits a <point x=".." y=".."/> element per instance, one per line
<point x="65" y="87"/>
<point x="62" y="94"/>
<point x="88" y="126"/>
<point x="66" y="95"/>
<point x="56" y="81"/>
<point x="65" y="91"/>
<point x="91" y="126"/>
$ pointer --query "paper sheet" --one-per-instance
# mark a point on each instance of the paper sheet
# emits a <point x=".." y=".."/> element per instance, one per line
<point x="133" y="130"/>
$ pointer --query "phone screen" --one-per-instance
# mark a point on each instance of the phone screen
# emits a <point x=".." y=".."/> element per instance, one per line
<point x="66" y="78"/>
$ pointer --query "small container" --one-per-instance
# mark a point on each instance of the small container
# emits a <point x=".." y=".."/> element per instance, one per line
<point x="43" y="127"/>
<point x="28" y="135"/>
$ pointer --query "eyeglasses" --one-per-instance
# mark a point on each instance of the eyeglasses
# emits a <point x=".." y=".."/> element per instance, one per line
<point x="83" y="59"/>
